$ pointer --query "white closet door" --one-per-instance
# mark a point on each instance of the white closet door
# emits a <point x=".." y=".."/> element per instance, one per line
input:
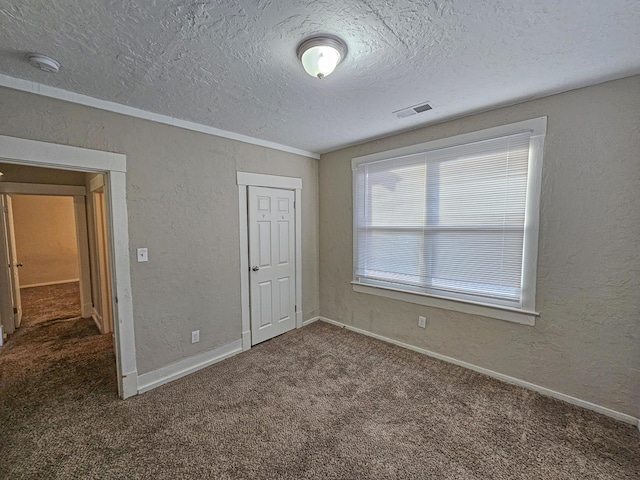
<point x="272" y="262"/>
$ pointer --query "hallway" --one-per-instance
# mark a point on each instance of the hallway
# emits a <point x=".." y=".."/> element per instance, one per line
<point x="50" y="302"/>
<point x="56" y="358"/>
<point x="41" y="356"/>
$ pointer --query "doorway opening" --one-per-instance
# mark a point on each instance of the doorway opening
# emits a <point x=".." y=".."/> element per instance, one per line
<point x="49" y="161"/>
<point x="43" y="240"/>
<point x="270" y="217"/>
<point x="55" y="240"/>
<point x="101" y="284"/>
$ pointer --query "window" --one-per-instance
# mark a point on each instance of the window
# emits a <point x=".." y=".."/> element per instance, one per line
<point x="455" y="219"/>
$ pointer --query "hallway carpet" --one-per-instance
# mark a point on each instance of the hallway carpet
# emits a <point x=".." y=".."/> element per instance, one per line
<point x="50" y="302"/>
<point x="316" y="403"/>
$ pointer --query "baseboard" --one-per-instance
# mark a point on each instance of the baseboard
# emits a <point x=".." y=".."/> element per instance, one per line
<point x="505" y="378"/>
<point x="86" y="309"/>
<point x="129" y="385"/>
<point x="97" y="319"/>
<point x="149" y="381"/>
<point x="310" y="321"/>
<point x="45" y="284"/>
<point x="246" y="340"/>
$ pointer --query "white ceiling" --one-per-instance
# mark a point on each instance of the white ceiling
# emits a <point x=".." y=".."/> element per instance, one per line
<point x="233" y="65"/>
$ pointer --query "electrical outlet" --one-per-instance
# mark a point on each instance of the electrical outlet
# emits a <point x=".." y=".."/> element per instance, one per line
<point x="422" y="322"/>
<point x="195" y="336"/>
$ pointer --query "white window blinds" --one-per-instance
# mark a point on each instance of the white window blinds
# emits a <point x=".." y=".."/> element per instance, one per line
<point x="448" y="222"/>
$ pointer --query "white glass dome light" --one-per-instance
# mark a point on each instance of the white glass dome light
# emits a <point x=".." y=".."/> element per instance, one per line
<point x="321" y="55"/>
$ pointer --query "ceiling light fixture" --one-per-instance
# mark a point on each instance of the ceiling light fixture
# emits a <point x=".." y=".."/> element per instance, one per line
<point x="44" y="62"/>
<point x="321" y="55"/>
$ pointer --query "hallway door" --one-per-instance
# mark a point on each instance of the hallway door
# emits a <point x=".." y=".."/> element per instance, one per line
<point x="8" y="239"/>
<point x="104" y="270"/>
<point x="272" y="262"/>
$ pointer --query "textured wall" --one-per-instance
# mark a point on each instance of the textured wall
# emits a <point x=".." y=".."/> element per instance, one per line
<point x="586" y="341"/>
<point x="45" y="238"/>
<point x="182" y="203"/>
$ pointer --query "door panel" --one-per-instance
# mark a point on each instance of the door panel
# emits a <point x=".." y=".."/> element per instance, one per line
<point x="6" y="295"/>
<point x="264" y="244"/>
<point x="272" y="262"/>
<point x="14" y="264"/>
<point x="283" y="243"/>
<point x="12" y="308"/>
<point x="265" y="304"/>
<point x="102" y="302"/>
<point x="283" y="304"/>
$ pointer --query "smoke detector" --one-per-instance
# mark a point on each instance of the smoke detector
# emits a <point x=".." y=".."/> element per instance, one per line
<point x="44" y="62"/>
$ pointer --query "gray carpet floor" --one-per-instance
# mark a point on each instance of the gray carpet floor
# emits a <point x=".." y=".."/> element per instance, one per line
<point x="50" y="302"/>
<point x="316" y="403"/>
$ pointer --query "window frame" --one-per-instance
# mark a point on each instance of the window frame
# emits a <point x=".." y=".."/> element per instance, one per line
<point x="526" y="314"/>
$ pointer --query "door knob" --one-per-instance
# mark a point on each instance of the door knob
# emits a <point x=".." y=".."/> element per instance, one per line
<point x="255" y="268"/>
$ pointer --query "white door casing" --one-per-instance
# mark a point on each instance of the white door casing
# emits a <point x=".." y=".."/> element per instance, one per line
<point x="14" y="263"/>
<point x="113" y="165"/>
<point x="272" y="261"/>
<point x="102" y="250"/>
<point x="82" y="241"/>
<point x="6" y="295"/>
<point x="78" y="194"/>
<point x="244" y="181"/>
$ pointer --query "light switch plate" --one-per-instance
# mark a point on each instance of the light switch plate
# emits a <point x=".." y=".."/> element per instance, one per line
<point x="195" y="336"/>
<point x="143" y="255"/>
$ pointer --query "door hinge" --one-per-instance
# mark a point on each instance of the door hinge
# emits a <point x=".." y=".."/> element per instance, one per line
<point x="15" y="310"/>
<point x="116" y="299"/>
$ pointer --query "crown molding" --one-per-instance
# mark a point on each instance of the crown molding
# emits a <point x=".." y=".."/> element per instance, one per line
<point x="67" y="96"/>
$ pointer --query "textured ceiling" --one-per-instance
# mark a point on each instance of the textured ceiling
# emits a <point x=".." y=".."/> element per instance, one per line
<point x="233" y="65"/>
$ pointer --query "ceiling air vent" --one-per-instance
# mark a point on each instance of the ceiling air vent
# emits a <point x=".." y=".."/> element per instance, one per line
<point x="407" y="112"/>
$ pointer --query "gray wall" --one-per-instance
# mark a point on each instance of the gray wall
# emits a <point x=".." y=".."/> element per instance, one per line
<point x="586" y="341"/>
<point x="182" y="203"/>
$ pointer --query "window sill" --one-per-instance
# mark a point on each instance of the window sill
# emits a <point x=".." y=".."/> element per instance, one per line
<point x="523" y="317"/>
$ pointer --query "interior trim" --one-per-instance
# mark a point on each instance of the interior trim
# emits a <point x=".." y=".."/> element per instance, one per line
<point x="60" y="94"/>
<point x="272" y="181"/>
<point x="244" y="180"/>
<point x="310" y="321"/>
<point x="537" y="126"/>
<point x="500" y="376"/>
<point x="114" y="165"/>
<point x="46" y="284"/>
<point x="523" y="317"/>
<point x="42" y="189"/>
<point x="150" y="380"/>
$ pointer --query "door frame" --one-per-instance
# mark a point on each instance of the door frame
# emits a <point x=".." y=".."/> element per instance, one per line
<point x="245" y="180"/>
<point x="100" y="265"/>
<point x="78" y="194"/>
<point x="114" y="165"/>
<point x="7" y="315"/>
<point x="9" y="235"/>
